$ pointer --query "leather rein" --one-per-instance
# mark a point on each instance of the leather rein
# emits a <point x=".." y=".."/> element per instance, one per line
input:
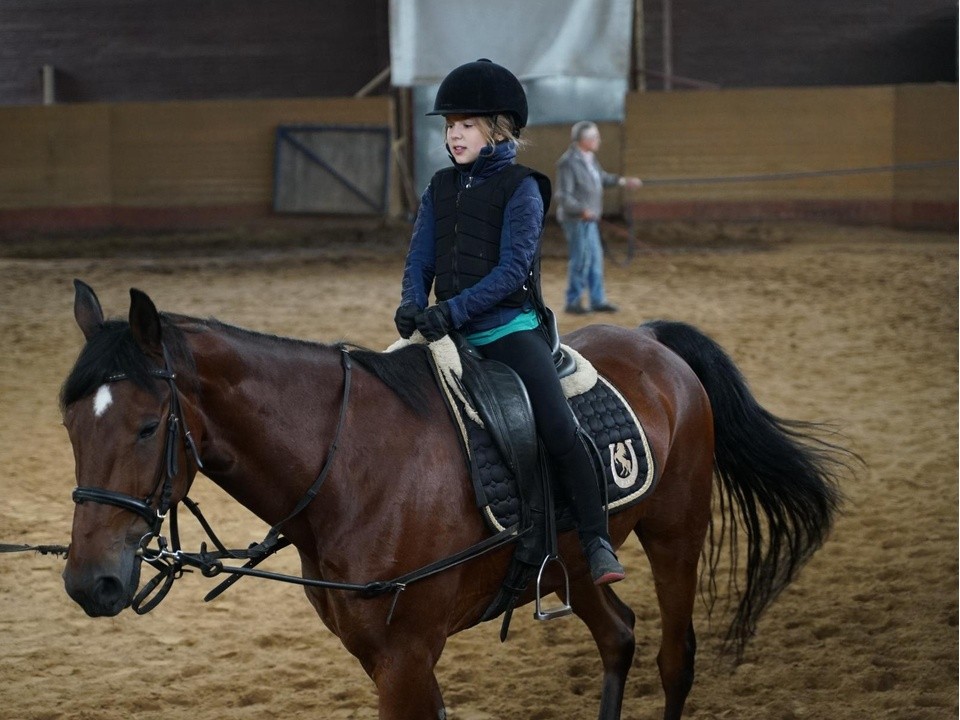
<point x="171" y="561"/>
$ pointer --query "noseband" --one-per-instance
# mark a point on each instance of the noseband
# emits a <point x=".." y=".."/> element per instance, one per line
<point x="166" y="473"/>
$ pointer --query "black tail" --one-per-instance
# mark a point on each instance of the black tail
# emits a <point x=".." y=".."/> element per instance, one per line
<point x="776" y="478"/>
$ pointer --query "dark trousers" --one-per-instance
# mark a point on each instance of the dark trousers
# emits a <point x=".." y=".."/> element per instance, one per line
<point x="528" y="354"/>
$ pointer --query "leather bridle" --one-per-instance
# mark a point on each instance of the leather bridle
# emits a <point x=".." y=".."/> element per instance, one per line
<point x="154" y="507"/>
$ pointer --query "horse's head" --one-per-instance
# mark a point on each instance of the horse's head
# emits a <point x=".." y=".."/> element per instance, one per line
<point x="125" y="417"/>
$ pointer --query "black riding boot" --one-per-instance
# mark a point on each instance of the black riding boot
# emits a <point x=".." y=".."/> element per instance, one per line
<point x="577" y="474"/>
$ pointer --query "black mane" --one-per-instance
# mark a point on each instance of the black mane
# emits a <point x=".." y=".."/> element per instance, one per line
<point x="405" y="371"/>
<point x="114" y="351"/>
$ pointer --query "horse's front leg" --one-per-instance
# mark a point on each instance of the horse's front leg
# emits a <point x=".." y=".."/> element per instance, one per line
<point x="406" y="685"/>
<point x="399" y="657"/>
<point x="611" y="623"/>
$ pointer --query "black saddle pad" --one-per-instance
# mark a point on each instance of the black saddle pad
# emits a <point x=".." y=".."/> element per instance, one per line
<point x="604" y="414"/>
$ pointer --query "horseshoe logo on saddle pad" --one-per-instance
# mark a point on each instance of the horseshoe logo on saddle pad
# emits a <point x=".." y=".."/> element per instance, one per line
<point x="623" y="463"/>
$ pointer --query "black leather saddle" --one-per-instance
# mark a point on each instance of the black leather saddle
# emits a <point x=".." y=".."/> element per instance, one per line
<point x="511" y="472"/>
<point x="502" y="403"/>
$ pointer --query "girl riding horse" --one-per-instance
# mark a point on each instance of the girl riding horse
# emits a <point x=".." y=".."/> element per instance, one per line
<point x="476" y="240"/>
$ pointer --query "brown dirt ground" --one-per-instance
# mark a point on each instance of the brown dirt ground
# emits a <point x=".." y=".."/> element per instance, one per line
<point x="857" y="326"/>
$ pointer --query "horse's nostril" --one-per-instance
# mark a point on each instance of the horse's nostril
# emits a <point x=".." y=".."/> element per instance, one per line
<point x="108" y="590"/>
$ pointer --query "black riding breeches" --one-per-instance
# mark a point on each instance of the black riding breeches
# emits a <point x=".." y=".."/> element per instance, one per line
<point x="528" y="354"/>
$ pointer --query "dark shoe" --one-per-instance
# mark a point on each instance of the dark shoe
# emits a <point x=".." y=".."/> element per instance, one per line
<point x="604" y="566"/>
<point x="576" y="309"/>
<point x="605" y="307"/>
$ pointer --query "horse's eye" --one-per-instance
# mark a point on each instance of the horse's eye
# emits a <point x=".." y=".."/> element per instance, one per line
<point x="148" y="430"/>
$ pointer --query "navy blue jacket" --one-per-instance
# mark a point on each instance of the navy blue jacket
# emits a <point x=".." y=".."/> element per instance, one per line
<point x="478" y="307"/>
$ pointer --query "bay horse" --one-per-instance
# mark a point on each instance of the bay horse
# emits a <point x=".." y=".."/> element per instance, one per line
<point x="153" y="396"/>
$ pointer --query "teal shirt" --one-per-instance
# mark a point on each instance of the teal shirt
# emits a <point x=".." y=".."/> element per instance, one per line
<point x="526" y="320"/>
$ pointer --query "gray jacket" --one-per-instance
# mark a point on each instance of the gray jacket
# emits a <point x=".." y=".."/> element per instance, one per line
<point x="580" y="186"/>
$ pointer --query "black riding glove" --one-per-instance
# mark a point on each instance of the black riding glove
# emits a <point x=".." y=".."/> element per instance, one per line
<point x="406" y="320"/>
<point x="435" y="322"/>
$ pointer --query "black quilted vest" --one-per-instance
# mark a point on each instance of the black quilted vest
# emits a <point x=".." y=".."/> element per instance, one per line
<point x="467" y="230"/>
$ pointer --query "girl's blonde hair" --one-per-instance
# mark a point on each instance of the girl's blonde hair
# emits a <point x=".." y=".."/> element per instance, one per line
<point x="499" y="128"/>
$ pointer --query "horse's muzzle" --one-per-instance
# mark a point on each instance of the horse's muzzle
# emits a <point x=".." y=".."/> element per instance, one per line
<point x="106" y="597"/>
<point x="101" y="592"/>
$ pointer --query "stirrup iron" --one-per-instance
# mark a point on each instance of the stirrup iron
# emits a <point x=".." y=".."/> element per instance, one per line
<point x="561" y="610"/>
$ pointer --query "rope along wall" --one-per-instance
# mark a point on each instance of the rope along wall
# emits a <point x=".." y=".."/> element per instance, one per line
<point x="903" y="167"/>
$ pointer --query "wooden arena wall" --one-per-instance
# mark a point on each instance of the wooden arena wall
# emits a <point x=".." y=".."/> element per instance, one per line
<point x="723" y="133"/>
<point x="170" y="164"/>
<point x="202" y="163"/>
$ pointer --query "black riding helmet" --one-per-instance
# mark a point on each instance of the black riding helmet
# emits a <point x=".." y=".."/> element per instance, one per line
<point x="482" y="88"/>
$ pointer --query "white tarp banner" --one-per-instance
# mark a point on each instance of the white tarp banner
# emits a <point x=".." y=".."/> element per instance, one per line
<point x="533" y="38"/>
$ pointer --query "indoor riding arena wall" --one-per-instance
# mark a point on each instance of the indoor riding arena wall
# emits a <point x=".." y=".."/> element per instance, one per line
<point x="211" y="163"/>
<point x="169" y="164"/>
<point x="825" y="143"/>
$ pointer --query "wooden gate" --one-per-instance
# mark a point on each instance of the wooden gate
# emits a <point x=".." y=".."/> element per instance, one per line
<point x="335" y="169"/>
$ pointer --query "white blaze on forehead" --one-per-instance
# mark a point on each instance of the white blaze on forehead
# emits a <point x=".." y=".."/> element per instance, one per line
<point x="102" y="400"/>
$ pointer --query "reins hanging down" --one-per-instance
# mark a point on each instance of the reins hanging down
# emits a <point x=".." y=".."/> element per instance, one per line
<point x="173" y="563"/>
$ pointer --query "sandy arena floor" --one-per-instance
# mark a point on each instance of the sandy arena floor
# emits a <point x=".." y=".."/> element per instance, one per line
<point x="856" y="326"/>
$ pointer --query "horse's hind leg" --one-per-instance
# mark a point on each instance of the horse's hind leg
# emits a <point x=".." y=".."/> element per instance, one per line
<point x="611" y="624"/>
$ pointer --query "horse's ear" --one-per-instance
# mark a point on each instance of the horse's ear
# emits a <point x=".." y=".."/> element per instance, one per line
<point x="86" y="309"/>
<point x="145" y="323"/>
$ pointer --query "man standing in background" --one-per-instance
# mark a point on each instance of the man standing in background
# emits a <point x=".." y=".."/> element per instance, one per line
<point x="579" y="196"/>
